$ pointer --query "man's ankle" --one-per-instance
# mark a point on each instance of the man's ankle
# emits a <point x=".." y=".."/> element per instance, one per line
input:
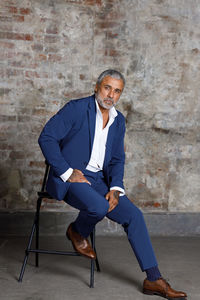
<point x="153" y="273"/>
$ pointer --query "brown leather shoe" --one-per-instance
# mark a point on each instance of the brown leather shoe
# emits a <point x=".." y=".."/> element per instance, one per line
<point x="80" y="244"/>
<point x="162" y="288"/>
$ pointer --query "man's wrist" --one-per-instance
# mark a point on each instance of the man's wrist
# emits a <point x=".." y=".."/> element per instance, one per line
<point x="65" y="176"/>
<point x="119" y="189"/>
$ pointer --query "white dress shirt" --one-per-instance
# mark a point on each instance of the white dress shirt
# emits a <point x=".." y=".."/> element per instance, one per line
<point x="99" y="146"/>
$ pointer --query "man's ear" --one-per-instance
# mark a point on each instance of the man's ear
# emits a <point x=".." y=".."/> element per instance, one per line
<point x="96" y="88"/>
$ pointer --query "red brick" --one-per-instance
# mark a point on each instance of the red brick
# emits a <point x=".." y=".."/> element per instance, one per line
<point x="7" y="55"/>
<point x="5" y="146"/>
<point x="54" y="57"/>
<point x="34" y="74"/>
<point x="6" y="27"/>
<point x="23" y="64"/>
<point x="195" y="50"/>
<point x="50" y="39"/>
<point x="106" y="24"/>
<point x="28" y="37"/>
<point x="24" y="118"/>
<point x="92" y="2"/>
<point x="25" y="11"/>
<point x="11" y="2"/>
<point x="52" y="29"/>
<point x="18" y="18"/>
<point x="37" y="47"/>
<point x="51" y="49"/>
<point x="82" y="77"/>
<point x="37" y="164"/>
<point x="16" y="36"/>
<point x="40" y="57"/>
<point x="56" y="102"/>
<point x="43" y="20"/>
<point x="5" y="19"/>
<point x="25" y="110"/>
<point x="39" y="112"/>
<point x="6" y="45"/>
<point x="32" y="172"/>
<point x="37" y="128"/>
<point x="17" y="155"/>
<point x="12" y="9"/>
<point x="4" y="118"/>
<point x="12" y="72"/>
<point x="111" y="35"/>
<point x="156" y="204"/>
<point x="111" y="52"/>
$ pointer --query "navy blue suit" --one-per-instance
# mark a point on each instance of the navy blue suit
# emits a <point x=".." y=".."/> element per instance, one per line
<point x="66" y="141"/>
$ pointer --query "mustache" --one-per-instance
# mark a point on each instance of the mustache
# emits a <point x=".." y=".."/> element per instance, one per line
<point x="109" y="99"/>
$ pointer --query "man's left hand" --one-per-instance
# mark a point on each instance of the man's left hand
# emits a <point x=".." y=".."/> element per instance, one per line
<point x="113" y="199"/>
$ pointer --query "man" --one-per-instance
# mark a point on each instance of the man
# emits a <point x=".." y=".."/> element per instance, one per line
<point x="84" y="145"/>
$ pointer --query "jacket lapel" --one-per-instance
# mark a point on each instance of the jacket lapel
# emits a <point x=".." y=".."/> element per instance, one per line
<point x="111" y="134"/>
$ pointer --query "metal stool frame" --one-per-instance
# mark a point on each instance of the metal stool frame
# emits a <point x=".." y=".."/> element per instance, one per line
<point x="35" y="229"/>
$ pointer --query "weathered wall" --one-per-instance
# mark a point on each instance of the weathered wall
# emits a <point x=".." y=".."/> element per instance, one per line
<point x="53" y="50"/>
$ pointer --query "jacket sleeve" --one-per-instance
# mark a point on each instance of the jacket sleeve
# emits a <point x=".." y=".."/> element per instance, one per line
<point x="116" y="165"/>
<point x="51" y="136"/>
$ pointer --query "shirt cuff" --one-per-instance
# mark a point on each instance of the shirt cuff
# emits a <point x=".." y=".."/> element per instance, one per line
<point x="117" y="188"/>
<point x="65" y="176"/>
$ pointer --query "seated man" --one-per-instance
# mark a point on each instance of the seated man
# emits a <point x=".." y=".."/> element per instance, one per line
<point x="84" y="145"/>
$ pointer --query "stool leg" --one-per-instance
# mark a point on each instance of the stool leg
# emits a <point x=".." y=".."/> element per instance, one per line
<point x="37" y="219"/>
<point x="97" y="263"/>
<point x="92" y="237"/>
<point x="27" y="253"/>
<point x="92" y="274"/>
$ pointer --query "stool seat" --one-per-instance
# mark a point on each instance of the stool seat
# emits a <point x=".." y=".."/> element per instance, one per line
<point x="44" y="195"/>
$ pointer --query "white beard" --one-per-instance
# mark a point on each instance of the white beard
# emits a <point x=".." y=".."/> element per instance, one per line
<point x="102" y="103"/>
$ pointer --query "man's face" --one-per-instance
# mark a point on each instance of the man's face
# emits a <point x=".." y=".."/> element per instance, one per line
<point x="109" y="91"/>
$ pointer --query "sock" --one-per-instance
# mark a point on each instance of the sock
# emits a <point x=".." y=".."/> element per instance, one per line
<point x="153" y="273"/>
<point x="74" y="227"/>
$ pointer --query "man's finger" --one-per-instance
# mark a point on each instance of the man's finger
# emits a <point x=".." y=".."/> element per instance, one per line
<point x="80" y="172"/>
<point x="107" y="197"/>
<point x="111" y="208"/>
<point x="84" y="180"/>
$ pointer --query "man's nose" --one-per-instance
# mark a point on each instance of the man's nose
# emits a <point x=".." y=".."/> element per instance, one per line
<point x="111" y="94"/>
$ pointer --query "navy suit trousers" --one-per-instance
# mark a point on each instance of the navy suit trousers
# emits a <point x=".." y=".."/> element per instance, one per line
<point x="90" y="201"/>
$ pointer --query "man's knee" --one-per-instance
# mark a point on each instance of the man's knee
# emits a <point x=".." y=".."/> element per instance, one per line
<point x="99" y="211"/>
<point x="136" y="214"/>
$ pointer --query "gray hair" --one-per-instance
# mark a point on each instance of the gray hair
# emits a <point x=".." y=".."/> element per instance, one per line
<point x="112" y="73"/>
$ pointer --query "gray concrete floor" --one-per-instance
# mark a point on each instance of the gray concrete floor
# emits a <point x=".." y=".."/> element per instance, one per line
<point x="67" y="278"/>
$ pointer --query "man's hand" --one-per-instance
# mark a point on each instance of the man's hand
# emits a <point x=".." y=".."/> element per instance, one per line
<point x="77" y="176"/>
<point x="113" y="199"/>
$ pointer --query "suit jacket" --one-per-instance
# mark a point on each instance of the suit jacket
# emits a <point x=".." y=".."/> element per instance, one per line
<point x="66" y="141"/>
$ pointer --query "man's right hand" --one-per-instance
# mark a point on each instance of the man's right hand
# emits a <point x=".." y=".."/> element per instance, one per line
<point x="77" y="176"/>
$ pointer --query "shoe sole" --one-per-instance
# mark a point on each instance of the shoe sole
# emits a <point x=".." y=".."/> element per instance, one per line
<point x="151" y="293"/>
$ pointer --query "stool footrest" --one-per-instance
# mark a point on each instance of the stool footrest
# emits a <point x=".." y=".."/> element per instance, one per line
<point x="54" y="252"/>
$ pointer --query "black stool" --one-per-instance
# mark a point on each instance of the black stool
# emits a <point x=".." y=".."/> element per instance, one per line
<point x="35" y="229"/>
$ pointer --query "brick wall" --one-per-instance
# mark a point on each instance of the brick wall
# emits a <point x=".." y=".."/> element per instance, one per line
<point x="52" y="51"/>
